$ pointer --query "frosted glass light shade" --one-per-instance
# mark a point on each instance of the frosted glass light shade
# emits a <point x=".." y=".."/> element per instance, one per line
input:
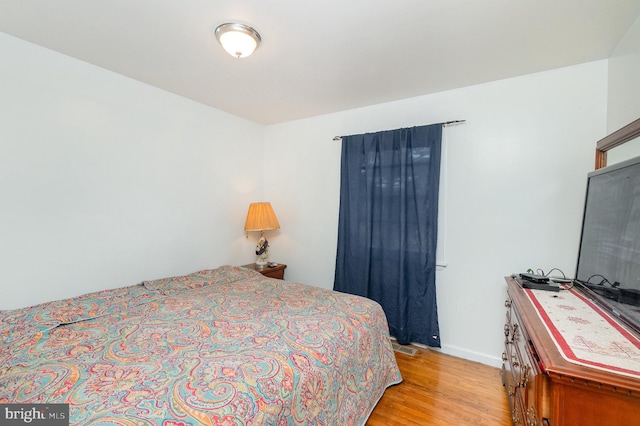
<point x="238" y="40"/>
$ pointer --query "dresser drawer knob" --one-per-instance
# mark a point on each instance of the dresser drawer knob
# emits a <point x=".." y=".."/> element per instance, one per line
<point x="514" y="361"/>
<point x="515" y="333"/>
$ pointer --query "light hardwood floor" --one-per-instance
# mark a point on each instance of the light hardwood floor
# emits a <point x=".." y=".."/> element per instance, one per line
<point x="440" y="389"/>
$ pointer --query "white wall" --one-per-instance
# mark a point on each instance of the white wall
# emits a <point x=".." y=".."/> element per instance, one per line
<point x="516" y="174"/>
<point x="105" y="181"/>
<point x="624" y="81"/>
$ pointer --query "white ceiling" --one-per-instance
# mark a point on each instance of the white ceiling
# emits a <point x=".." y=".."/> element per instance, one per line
<point x="319" y="57"/>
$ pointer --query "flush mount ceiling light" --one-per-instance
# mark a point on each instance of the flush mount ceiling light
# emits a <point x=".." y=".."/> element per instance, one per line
<point x="238" y="40"/>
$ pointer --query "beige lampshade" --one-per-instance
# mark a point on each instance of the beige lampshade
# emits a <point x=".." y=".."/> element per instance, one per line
<point x="261" y="217"/>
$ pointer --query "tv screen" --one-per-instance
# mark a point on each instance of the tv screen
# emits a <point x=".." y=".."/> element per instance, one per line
<point x="609" y="256"/>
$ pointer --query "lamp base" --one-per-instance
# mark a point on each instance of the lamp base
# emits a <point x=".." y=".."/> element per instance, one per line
<point x="262" y="250"/>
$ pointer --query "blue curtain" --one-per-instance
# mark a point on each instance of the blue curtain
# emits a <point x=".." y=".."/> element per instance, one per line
<point x="388" y="228"/>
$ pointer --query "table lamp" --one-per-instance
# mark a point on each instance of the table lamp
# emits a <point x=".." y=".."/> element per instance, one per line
<point x="261" y="217"/>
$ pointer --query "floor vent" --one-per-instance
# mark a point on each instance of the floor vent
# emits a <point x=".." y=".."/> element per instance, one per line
<point x="404" y="349"/>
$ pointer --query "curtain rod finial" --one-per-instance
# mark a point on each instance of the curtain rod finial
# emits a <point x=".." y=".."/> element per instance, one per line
<point x="449" y="123"/>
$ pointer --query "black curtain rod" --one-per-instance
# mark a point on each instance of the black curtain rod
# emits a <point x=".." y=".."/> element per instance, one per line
<point x="446" y="123"/>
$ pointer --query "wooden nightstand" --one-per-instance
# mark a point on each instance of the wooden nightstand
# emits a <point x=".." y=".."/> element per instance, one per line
<point x="271" y="272"/>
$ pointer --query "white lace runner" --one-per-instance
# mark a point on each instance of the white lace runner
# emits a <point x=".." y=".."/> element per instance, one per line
<point x="585" y="334"/>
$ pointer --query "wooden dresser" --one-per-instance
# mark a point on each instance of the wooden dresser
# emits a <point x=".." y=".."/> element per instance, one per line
<point x="545" y="389"/>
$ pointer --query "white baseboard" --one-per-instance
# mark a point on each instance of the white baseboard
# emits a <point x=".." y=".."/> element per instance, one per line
<point x="472" y="356"/>
<point x="463" y="353"/>
<point x="466" y="354"/>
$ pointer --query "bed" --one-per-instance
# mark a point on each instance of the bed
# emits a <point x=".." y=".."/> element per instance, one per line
<point x="225" y="346"/>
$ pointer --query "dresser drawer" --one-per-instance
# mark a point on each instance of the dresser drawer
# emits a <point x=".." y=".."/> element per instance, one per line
<point x="522" y="375"/>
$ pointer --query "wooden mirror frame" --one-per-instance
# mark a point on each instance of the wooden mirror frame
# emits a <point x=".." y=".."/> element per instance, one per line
<point x="620" y="136"/>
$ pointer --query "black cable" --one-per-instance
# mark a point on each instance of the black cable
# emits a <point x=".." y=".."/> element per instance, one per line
<point x="541" y="272"/>
<point x="604" y="280"/>
<point x="559" y="270"/>
<point x="563" y="286"/>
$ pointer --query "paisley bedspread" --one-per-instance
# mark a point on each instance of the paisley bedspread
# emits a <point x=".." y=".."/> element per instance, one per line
<point x="225" y="346"/>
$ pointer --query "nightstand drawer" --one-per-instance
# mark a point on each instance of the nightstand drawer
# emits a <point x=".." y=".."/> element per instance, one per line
<point x="276" y="272"/>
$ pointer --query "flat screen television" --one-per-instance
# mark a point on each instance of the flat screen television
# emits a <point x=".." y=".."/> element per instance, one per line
<point x="609" y="257"/>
